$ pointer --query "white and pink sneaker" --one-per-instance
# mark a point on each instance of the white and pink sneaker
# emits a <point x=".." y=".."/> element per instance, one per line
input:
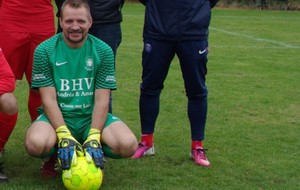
<point x="143" y="150"/>
<point x="199" y="157"/>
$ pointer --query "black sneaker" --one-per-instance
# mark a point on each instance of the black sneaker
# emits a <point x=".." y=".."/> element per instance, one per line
<point x="3" y="178"/>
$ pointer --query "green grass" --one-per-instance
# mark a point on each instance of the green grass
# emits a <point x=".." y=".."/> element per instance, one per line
<point x="253" y="118"/>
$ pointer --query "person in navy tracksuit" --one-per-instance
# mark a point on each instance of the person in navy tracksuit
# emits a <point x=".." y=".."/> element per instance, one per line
<point x="175" y="27"/>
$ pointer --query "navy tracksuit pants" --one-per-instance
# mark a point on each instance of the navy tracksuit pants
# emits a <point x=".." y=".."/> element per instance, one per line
<point x="156" y="59"/>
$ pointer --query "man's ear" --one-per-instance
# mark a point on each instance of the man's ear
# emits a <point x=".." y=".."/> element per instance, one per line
<point x="59" y="19"/>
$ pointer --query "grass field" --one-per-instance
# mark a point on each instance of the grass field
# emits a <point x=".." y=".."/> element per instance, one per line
<point x="253" y="122"/>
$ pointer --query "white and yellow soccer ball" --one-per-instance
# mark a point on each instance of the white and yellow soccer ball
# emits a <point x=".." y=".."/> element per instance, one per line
<point x="83" y="176"/>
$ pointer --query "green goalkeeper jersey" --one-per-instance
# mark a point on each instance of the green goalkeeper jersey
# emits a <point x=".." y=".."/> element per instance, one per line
<point x="74" y="72"/>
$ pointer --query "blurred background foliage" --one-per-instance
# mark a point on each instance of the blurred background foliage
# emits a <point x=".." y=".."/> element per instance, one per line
<point x="291" y="5"/>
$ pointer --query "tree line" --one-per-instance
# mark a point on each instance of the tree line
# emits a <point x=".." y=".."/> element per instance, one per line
<point x="258" y="4"/>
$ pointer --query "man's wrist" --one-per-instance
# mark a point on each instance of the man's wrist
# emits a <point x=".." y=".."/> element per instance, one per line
<point x="62" y="131"/>
<point x="95" y="134"/>
<point x="61" y="128"/>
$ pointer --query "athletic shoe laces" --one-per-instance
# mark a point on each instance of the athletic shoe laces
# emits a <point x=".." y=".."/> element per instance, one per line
<point x="201" y="153"/>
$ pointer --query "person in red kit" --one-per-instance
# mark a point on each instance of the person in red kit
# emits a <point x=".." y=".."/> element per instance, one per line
<point x="24" y="25"/>
<point x="8" y="107"/>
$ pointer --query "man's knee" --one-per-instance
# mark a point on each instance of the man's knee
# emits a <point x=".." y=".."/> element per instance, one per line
<point x="39" y="139"/>
<point x="8" y="103"/>
<point x="150" y="92"/>
<point x="197" y="97"/>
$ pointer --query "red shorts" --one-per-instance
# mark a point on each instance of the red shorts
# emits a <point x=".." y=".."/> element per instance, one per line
<point x="7" y="78"/>
<point x="18" y="48"/>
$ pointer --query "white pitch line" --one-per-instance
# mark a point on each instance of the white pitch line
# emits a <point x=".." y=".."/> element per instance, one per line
<point x="246" y="47"/>
<point x="257" y="17"/>
<point x="255" y="38"/>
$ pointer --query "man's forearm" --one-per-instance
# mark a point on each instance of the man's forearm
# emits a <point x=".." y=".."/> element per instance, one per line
<point x="101" y="108"/>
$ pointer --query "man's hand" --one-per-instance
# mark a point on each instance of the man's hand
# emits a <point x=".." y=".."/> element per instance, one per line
<point x="92" y="148"/>
<point x="68" y="148"/>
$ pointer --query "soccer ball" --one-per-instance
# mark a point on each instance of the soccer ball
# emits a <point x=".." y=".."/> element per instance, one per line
<point x="83" y="176"/>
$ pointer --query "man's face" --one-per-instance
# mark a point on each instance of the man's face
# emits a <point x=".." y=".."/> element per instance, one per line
<point x="75" y="24"/>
